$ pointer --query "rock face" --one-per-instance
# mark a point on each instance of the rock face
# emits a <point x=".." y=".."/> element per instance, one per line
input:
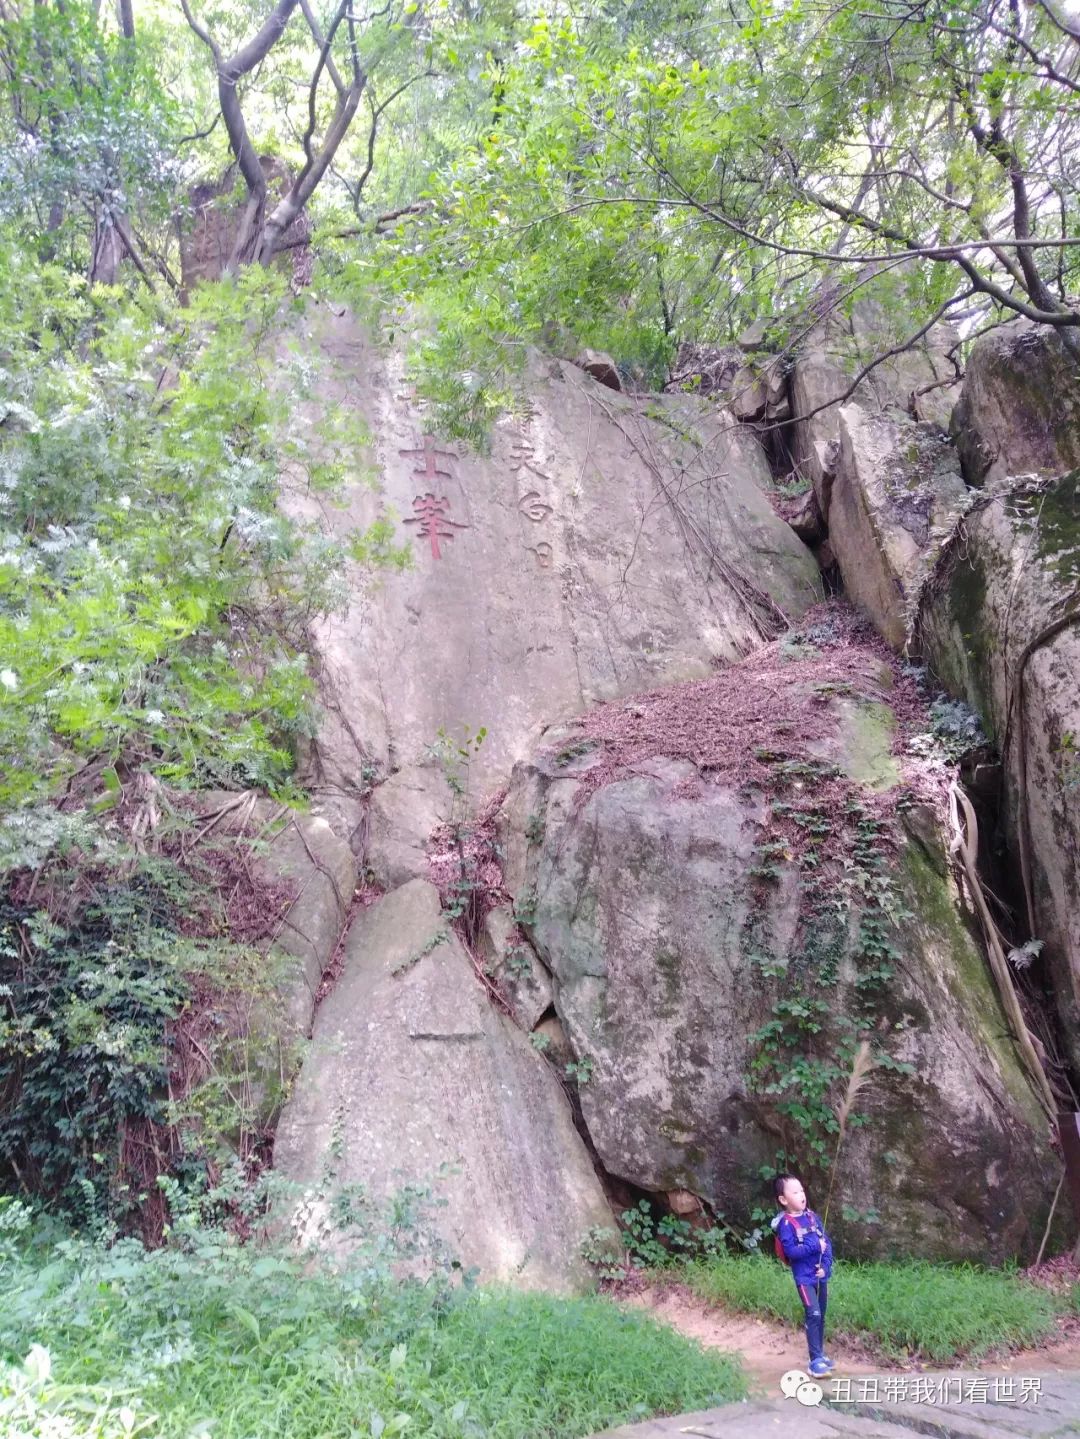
<point x="835" y="351"/>
<point x="719" y="863"/>
<point x="1019" y="411"/>
<point x="412" y="1068"/>
<point x="595" y="551"/>
<point x="509" y="958"/>
<point x="1000" y="627"/>
<point x="894" y="498"/>
<point x="712" y="954"/>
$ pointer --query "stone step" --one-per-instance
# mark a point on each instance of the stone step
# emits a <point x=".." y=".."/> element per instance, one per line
<point x="1054" y="1413"/>
<point x="760" y="1420"/>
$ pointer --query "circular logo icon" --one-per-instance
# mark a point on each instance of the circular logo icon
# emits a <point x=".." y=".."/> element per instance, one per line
<point x="789" y="1382"/>
<point x="809" y="1393"/>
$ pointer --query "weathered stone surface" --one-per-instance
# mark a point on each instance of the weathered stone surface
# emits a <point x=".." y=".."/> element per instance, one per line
<point x="307" y="850"/>
<point x="895" y="497"/>
<point x="510" y="960"/>
<point x="755" y="337"/>
<point x="601" y="367"/>
<point x="651" y="913"/>
<point x="1019" y="410"/>
<point x="705" y="369"/>
<point x="804" y="516"/>
<point x="834" y="353"/>
<point x="1000" y="626"/>
<point x="402" y="812"/>
<point x="595" y="551"/>
<point x="412" y="1068"/>
<point x="747" y="395"/>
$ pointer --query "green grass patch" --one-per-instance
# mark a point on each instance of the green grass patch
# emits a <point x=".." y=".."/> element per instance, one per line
<point x="242" y="1343"/>
<point x="936" y="1311"/>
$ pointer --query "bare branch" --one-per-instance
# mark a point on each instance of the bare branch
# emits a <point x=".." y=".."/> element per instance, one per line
<point x="324" y="53"/>
<point x="260" y="45"/>
<point x="316" y="31"/>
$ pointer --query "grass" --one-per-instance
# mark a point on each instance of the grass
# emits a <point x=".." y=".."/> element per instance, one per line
<point x="938" y="1312"/>
<point x="240" y="1343"/>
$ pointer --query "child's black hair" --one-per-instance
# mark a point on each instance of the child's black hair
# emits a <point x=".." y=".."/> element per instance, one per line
<point x="778" y="1184"/>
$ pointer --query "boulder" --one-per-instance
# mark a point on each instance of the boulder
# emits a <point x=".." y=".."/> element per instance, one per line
<point x="510" y="960"/>
<point x="403" y="811"/>
<point x="604" y="544"/>
<point x="804" y="516"/>
<point x="838" y="348"/>
<point x="1019" y="410"/>
<point x="757" y="336"/>
<point x="601" y="367"/>
<point x="725" y="900"/>
<point x="411" y="1069"/>
<point x="1000" y="627"/>
<point x="747" y="395"/>
<point x="705" y="369"/>
<point x="894" y="499"/>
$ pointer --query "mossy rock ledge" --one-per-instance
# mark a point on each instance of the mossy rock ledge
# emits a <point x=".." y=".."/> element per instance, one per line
<point x="999" y="625"/>
<point x="675" y="905"/>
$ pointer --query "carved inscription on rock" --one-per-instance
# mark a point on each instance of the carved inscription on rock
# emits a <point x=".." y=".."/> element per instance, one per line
<point x="534" y="508"/>
<point x="432" y="517"/>
<point x="431" y="512"/>
<point x="531" y="504"/>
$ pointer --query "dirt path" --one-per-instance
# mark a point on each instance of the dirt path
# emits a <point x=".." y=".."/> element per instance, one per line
<point x="767" y="1348"/>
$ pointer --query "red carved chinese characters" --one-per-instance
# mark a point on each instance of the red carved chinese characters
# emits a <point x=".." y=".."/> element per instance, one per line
<point x="433" y="520"/>
<point x="430" y="456"/>
<point x="431" y="510"/>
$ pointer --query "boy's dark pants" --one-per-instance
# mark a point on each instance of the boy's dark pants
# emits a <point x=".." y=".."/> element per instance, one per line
<point x="815" y="1298"/>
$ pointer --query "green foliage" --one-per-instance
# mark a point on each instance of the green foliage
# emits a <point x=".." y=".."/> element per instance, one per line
<point x="935" y="1312"/>
<point x="646" y="1241"/>
<point x="90" y="128"/>
<point x="129" y="1034"/>
<point x="454" y="757"/>
<point x="82" y="1042"/>
<point x="580" y="1070"/>
<point x="639" y="176"/>
<point x="34" y="1406"/>
<point x="525" y="905"/>
<point x="258" y="1343"/>
<point x="803" y="1053"/>
<point x="153" y="597"/>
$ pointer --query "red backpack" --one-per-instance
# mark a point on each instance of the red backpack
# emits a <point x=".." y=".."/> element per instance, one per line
<point x="800" y="1235"/>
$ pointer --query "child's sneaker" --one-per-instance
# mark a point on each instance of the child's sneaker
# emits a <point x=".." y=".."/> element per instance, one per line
<point x="830" y="1362"/>
<point x="820" y="1367"/>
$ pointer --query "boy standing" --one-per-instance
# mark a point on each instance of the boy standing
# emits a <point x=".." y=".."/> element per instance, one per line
<point x="806" y="1247"/>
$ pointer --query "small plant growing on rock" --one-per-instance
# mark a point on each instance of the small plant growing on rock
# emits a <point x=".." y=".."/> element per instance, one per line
<point x="651" y="1242"/>
<point x="525" y="906"/>
<point x="601" y="1248"/>
<point x="580" y="1070"/>
<point x="517" y="962"/>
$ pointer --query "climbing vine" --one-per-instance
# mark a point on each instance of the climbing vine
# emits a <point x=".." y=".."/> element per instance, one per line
<point x="850" y="907"/>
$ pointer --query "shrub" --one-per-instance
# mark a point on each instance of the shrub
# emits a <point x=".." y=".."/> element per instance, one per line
<point x="249" y="1342"/>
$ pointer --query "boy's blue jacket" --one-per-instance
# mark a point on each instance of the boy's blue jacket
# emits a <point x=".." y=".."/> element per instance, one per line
<point x="805" y="1245"/>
